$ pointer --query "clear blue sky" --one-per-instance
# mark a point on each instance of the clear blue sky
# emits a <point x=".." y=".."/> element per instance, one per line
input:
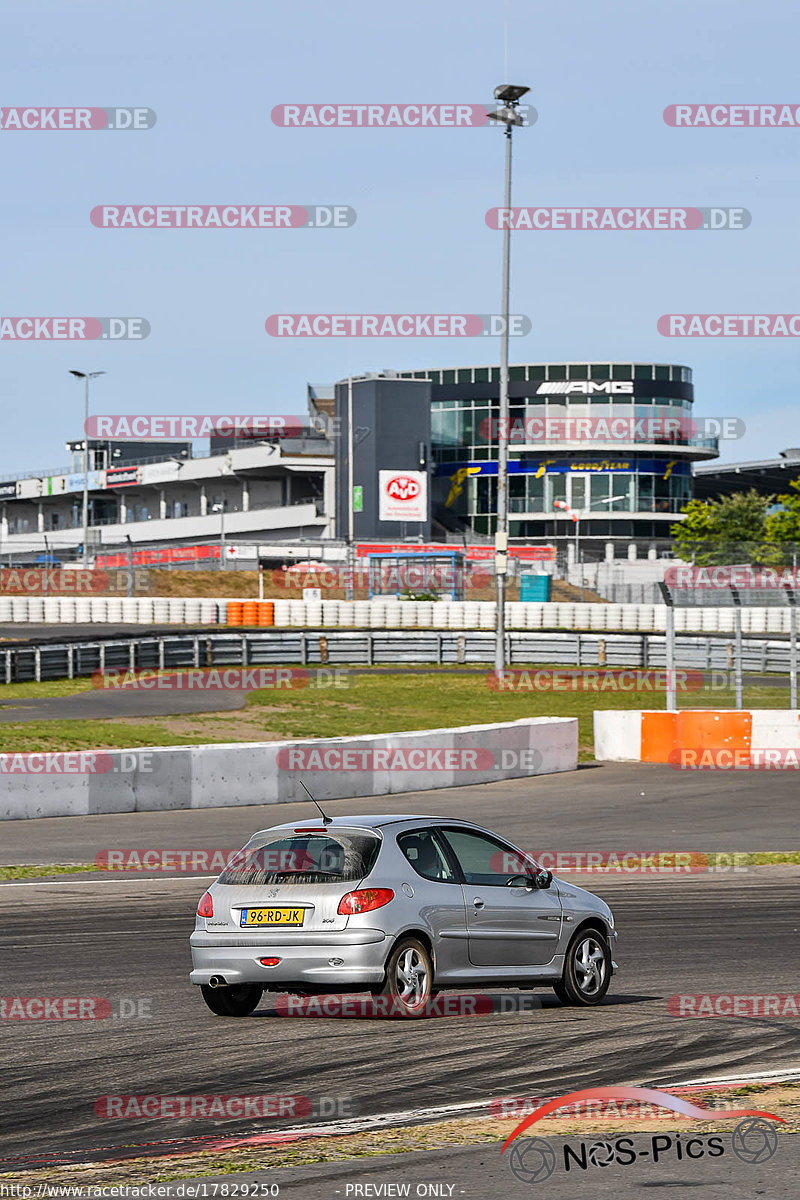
<point x="600" y="73"/>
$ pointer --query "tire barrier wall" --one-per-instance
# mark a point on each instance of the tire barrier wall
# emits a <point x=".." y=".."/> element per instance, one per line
<point x="384" y="614"/>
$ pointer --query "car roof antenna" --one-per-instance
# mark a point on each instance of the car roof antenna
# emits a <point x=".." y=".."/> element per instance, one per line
<point x="325" y="820"/>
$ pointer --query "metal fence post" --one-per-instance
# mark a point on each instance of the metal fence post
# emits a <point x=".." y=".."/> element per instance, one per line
<point x="737" y="641"/>
<point x="670" y="647"/>
<point x="792" y="598"/>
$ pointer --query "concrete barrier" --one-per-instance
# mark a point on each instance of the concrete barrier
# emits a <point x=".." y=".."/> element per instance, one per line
<point x="638" y="735"/>
<point x="214" y="776"/>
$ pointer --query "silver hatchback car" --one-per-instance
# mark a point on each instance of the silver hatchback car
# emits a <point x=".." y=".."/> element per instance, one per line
<point x="399" y="906"/>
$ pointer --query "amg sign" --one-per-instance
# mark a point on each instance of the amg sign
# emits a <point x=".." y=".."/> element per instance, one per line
<point x="586" y="387"/>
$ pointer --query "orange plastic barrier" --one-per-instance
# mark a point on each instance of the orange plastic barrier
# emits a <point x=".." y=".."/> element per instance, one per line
<point x="235" y="612"/>
<point x="266" y="612"/>
<point x="658" y="736"/>
<point x="664" y="733"/>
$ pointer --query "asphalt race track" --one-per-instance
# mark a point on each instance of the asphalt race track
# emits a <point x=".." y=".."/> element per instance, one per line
<point x="126" y="939"/>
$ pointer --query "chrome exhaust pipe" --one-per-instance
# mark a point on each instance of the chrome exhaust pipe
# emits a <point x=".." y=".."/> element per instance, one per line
<point x="217" y="981"/>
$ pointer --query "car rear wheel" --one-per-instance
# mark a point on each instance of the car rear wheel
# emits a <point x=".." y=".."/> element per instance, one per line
<point x="408" y="983"/>
<point x="587" y="970"/>
<point x="237" y="1001"/>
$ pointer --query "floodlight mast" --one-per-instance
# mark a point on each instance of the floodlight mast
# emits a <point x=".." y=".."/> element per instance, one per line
<point x="509" y="94"/>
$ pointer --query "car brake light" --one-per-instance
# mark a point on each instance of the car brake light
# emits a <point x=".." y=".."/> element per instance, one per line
<point x="308" y="829"/>
<point x="364" y="900"/>
<point x="269" y="962"/>
<point x="206" y="906"/>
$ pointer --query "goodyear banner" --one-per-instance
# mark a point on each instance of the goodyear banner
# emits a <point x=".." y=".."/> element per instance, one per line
<point x="587" y="464"/>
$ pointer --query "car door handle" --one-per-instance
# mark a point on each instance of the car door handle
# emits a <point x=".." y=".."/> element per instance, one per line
<point x="477" y="902"/>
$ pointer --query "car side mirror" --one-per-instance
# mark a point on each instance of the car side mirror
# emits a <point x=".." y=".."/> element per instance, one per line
<point x="543" y="879"/>
<point x="524" y="881"/>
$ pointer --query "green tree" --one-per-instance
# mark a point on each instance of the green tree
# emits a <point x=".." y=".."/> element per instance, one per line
<point x="783" y="527"/>
<point x="733" y="529"/>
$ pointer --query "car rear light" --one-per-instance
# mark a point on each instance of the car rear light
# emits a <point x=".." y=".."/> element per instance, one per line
<point x="206" y="906"/>
<point x="269" y="962"/>
<point x="364" y="900"/>
<point x="307" y="829"/>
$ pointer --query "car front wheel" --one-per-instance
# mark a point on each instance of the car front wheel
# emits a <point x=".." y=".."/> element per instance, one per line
<point x="237" y="1001"/>
<point x="587" y="970"/>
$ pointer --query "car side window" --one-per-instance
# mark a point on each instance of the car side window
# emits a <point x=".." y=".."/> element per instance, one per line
<point x="426" y="856"/>
<point x="483" y="860"/>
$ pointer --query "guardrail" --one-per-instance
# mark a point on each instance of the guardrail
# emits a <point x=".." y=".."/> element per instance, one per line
<point x="378" y="648"/>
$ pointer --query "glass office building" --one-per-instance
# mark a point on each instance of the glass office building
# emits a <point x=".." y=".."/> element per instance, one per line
<point x="614" y="441"/>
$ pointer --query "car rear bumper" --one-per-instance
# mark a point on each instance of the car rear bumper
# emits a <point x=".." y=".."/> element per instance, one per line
<point x="328" y="959"/>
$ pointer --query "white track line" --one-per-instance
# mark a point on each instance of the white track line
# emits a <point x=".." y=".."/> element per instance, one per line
<point x="774" y="1076"/>
<point x="414" y="1116"/>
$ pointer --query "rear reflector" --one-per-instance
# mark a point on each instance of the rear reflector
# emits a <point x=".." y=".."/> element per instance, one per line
<point x="269" y="962"/>
<point x="206" y="906"/>
<point x="364" y="900"/>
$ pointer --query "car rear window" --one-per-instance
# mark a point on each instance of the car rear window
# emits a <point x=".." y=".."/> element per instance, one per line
<point x="339" y="857"/>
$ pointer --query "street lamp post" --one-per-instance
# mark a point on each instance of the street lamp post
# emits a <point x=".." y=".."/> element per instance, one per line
<point x="509" y="95"/>
<point x="86" y="376"/>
